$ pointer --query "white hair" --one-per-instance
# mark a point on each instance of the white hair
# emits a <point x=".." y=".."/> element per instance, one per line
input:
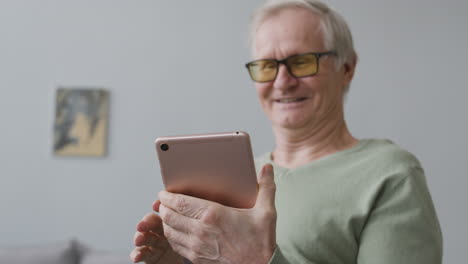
<point x="336" y="33"/>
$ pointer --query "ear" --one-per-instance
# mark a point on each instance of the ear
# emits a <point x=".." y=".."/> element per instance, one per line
<point x="349" y="67"/>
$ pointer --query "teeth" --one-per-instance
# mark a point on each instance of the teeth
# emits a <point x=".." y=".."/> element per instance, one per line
<point x="290" y="100"/>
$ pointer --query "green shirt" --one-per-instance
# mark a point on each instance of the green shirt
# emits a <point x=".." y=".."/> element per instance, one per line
<point x="369" y="204"/>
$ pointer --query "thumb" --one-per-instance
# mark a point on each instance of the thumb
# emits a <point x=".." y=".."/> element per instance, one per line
<point x="267" y="188"/>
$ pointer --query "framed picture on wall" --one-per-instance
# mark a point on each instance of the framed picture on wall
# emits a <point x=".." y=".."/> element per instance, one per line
<point x="81" y="121"/>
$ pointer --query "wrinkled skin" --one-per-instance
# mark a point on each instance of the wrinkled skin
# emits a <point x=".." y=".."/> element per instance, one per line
<point x="152" y="246"/>
<point x="206" y="232"/>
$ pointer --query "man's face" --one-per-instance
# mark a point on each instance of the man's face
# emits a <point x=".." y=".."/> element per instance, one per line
<point x="291" y="102"/>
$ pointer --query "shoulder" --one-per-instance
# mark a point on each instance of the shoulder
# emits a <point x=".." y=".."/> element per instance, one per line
<point x="388" y="155"/>
<point x="390" y="164"/>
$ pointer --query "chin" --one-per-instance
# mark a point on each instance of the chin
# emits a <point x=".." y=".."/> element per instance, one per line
<point x="290" y="123"/>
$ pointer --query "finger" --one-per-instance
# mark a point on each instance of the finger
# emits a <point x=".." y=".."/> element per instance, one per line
<point x="179" y="249"/>
<point x="192" y="247"/>
<point x="186" y="205"/>
<point x="136" y="255"/>
<point x="148" y="239"/>
<point x="176" y="237"/>
<point x="183" y="251"/>
<point x="170" y="256"/>
<point x="148" y="254"/>
<point x="150" y="222"/>
<point x="177" y="221"/>
<point x="156" y="205"/>
<point x="267" y="188"/>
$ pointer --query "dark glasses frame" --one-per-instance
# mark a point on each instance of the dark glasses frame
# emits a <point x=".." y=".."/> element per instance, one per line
<point x="317" y="55"/>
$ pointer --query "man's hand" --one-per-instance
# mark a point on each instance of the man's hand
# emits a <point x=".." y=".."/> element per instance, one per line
<point x="152" y="246"/>
<point x="207" y="232"/>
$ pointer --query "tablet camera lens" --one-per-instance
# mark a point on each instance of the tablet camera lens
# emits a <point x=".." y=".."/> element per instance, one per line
<point x="164" y="147"/>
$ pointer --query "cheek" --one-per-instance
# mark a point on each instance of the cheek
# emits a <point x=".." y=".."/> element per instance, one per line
<point x="263" y="96"/>
<point x="263" y="92"/>
<point x="321" y="87"/>
<point x="332" y="91"/>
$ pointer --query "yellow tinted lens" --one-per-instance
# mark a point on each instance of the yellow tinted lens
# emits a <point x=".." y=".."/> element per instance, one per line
<point x="263" y="70"/>
<point x="303" y="65"/>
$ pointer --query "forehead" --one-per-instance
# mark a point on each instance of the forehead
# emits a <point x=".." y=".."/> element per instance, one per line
<point x="287" y="32"/>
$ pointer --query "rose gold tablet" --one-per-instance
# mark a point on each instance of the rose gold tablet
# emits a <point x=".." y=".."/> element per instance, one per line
<point x="217" y="167"/>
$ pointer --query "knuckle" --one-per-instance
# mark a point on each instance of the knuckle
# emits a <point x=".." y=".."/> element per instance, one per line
<point x="174" y="247"/>
<point x="166" y="216"/>
<point x="203" y="249"/>
<point x="180" y="203"/>
<point x="197" y="248"/>
<point x="152" y="239"/>
<point x="201" y="234"/>
<point x="269" y="214"/>
<point x="198" y="232"/>
<point x="137" y="239"/>
<point x="209" y="216"/>
<point x="168" y="233"/>
<point x="271" y="186"/>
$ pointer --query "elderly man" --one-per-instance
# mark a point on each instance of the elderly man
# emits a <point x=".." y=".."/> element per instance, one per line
<point x="337" y="199"/>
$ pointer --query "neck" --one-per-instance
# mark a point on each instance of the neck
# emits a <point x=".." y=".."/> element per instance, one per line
<point x="297" y="147"/>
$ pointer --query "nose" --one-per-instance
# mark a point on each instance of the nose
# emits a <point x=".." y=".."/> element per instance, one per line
<point x="284" y="80"/>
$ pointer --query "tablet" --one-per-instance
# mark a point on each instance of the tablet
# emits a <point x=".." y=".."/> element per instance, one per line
<point x="217" y="167"/>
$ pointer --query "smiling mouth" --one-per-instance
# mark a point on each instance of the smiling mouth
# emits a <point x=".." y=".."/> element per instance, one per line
<point x="290" y="100"/>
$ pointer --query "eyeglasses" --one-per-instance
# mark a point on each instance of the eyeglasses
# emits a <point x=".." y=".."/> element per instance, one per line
<point x="300" y="65"/>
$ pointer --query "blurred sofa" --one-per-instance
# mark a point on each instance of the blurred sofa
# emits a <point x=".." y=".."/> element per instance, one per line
<point x="68" y="252"/>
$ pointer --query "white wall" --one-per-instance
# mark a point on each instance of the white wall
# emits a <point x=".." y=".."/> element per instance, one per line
<point x="176" y="67"/>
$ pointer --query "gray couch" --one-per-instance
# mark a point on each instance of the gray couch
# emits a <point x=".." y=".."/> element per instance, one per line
<point x="69" y="252"/>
